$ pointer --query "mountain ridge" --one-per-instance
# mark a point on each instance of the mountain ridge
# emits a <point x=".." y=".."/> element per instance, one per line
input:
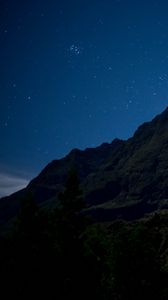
<point x="114" y="176"/>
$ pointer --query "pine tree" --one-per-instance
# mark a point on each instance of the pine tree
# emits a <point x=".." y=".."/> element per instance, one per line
<point x="71" y="198"/>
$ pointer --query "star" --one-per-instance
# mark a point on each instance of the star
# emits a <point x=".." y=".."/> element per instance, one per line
<point x="75" y="50"/>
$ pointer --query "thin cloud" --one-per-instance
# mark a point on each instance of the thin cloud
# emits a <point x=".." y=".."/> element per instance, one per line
<point x="11" y="183"/>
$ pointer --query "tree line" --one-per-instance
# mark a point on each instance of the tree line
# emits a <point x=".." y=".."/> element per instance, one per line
<point x="64" y="254"/>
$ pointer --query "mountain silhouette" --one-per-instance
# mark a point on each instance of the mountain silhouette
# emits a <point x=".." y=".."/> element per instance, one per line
<point x="123" y="179"/>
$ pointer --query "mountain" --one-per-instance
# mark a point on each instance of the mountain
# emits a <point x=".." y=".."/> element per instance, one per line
<point x="123" y="179"/>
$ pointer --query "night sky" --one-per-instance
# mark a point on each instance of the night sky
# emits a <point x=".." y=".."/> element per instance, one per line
<point x="75" y="74"/>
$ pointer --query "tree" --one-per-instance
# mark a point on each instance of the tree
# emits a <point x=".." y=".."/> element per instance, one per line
<point x="71" y="198"/>
<point x="28" y="215"/>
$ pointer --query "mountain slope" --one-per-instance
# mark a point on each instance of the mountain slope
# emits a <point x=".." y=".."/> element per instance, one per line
<point x="122" y="179"/>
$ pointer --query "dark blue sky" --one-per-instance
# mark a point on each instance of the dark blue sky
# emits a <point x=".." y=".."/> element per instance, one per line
<point x="75" y="74"/>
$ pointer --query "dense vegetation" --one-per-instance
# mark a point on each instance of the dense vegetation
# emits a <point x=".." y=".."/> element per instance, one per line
<point x="63" y="254"/>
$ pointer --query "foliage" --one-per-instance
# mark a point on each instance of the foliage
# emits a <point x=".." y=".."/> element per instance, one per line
<point x="60" y="255"/>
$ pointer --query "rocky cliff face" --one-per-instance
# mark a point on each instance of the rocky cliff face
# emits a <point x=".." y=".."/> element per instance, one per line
<point x="122" y="179"/>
